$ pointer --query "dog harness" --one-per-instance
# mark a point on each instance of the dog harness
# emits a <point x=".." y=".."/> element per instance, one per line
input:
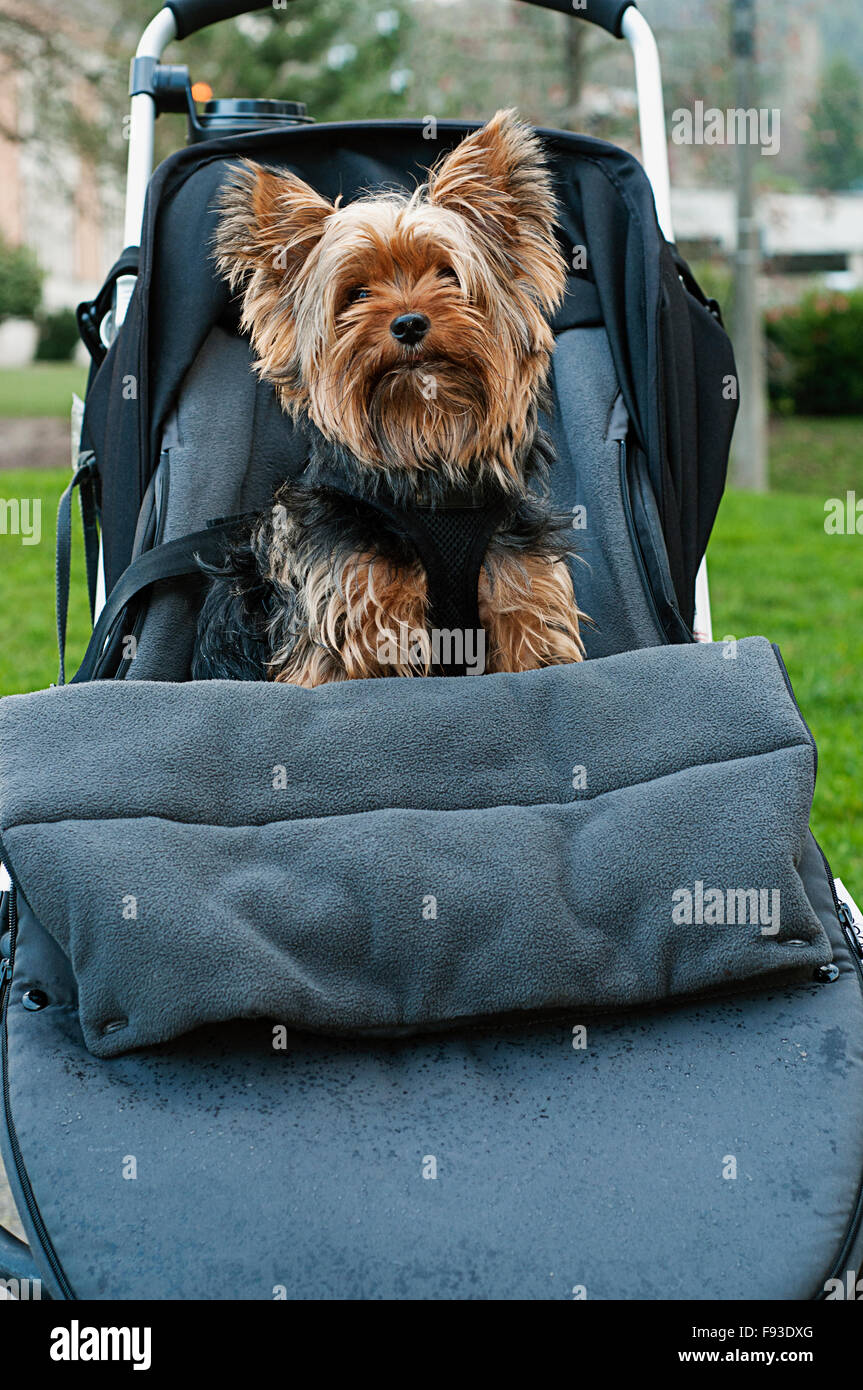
<point x="450" y="538"/>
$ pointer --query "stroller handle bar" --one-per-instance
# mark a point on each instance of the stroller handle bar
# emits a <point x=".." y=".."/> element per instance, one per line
<point x="192" y="15"/>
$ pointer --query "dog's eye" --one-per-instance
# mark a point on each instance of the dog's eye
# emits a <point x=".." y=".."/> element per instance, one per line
<point x="446" y="272"/>
<point x="358" y="292"/>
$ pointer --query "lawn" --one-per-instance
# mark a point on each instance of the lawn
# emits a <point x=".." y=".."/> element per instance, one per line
<point x="43" y="389"/>
<point x="28" y="631"/>
<point x="823" y="456"/>
<point x="773" y="570"/>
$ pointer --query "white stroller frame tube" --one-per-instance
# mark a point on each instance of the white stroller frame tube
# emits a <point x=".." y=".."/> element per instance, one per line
<point x="142" y="125"/>
<point x="651" y="113"/>
<point x="142" y="128"/>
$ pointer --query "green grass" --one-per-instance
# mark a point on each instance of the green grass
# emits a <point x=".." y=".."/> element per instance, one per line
<point x="28" y="640"/>
<point x="816" y="454"/>
<point x="43" y="389"/>
<point x="773" y="570"/>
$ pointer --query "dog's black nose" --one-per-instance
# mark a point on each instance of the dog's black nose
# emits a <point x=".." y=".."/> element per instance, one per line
<point x="410" y="329"/>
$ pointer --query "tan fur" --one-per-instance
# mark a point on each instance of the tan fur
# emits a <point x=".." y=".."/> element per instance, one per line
<point x="347" y="618"/>
<point x="463" y="399"/>
<point x="528" y="609"/>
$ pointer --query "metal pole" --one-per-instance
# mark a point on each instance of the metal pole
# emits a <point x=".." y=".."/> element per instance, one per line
<point x="651" y="113"/>
<point x="576" y="35"/>
<point x="749" y="457"/>
<point x="157" y="35"/>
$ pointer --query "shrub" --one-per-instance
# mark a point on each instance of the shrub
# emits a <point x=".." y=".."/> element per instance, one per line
<point x="58" y="336"/>
<point x="20" y="282"/>
<point x="815" y="355"/>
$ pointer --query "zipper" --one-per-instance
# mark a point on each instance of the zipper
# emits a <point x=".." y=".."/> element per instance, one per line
<point x="636" y="543"/>
<point x="850" y="930"/>
<point x="853" y="933"/>
<point x="5" y="978"/>
<point x="854" y="938"/>
<point x="6" y="968"/>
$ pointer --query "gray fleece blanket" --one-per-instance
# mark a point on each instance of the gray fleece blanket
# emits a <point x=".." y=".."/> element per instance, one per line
<point x="385" y="856"/>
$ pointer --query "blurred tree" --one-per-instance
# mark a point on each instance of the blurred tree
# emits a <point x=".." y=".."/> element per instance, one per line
<point x="20" y="282"/>
<point x="58" y="52"/>
<point x="472" y="57"/>
<point x="835" y="145"/>
<point x="371" y="58"/>
<point x="345" y="61"/>
<point x="576" y="64"/>
<point x="58" y="336"/>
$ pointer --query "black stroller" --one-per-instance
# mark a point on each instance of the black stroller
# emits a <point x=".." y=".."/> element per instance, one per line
<point x="530" y="986"/>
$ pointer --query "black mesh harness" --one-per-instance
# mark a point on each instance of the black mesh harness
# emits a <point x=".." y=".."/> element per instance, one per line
<point x="450" y="537"/>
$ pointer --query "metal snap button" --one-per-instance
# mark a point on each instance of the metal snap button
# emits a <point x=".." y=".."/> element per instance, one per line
<point x="34" y="1000"/>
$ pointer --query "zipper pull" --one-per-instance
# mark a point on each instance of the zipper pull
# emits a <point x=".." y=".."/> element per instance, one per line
<point x="5" y="977"/>
<point x="853" y="932"/>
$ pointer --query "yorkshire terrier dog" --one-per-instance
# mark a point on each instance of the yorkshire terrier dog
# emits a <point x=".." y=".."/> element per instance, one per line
<point x="410" y="336"/>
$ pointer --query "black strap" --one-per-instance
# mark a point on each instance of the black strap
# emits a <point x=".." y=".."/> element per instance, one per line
<point x="450" y="540"/>
<point x="169" y="561"/>
<point x="451" y="543"/>
<point x="92" y="311"/>
<point x="85" y="479"/>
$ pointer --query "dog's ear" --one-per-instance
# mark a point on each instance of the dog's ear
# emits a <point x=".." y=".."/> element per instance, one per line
<point x="498" y="181"/>
<point x="269" y="222"/>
